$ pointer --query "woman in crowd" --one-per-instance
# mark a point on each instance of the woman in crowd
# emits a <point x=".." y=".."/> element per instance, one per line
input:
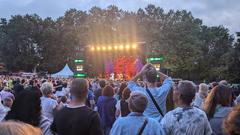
<point x="18" y="128"/>
<point x="217" y="106"/>
<point x="27" y="108"/>
<point x="106" y="109"/>
<point x="136" y="123"/>
<point x="120" y="90"/>
<point x="122" y="109"/>
<point x="231" y="123"/>
<point x="201" y="95"/>
<point x="48" y="103"/>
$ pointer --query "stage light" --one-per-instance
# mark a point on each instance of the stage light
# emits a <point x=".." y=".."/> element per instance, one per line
<point x="98" y="48"/>
<point x="103" y="48"/>
<point x="127" y="47"/>
<point x="134" y="46"/>
<point x="115" y="47"/>
<point x="109" y="48"/>
<point x="92" y="48"/>
<point x="121" y="47"/>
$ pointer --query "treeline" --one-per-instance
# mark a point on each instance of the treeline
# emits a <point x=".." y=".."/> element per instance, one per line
<point x="192" y="50"/>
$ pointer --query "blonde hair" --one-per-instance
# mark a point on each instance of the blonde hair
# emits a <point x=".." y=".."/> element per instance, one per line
<point x="18" y="128"/>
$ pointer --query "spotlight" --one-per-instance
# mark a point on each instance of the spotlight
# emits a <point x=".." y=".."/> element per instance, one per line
<point x="103" y="48"/>
<point x="92" y="48"/>
<point x="115" y="47"/>
<point x="134" y="46"/>
<point x="109" y="48"/>
<point x="98" y="48"/>
<point x="127" y="47"/>
<point x="121" y="47"/>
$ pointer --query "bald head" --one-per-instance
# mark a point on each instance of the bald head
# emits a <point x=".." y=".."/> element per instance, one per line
<point x="79" y="88"/>
<point x="186" y="91"/>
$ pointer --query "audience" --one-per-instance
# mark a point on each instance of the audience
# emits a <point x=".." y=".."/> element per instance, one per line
<point x="77" y="118"/>
<point x="106" y="108"/>
<point x="122" y="109"/>
<point x="217" y="106"/>
<point x="48" y="104"/>
<point x="18" y="128"/>
<point x="231" y="123"/>
<point x="27" y="108"/>
<point x="159" y="94"/>
<point x="201" y="95"/>
<point x="185" y="119"/>
<point x="136" y="123"/>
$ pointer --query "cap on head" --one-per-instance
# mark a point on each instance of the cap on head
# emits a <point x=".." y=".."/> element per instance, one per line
<point x="137" y="102"/>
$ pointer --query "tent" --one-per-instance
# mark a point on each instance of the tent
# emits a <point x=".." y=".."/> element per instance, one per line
<point x="65" y="72"/>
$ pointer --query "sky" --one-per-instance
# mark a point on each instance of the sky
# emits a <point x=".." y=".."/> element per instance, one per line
<point x="212" y="12"/>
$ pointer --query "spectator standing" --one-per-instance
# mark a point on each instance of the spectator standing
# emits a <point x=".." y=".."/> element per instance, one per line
<point x="201" y="95"/>
<point x="98" y="92"/>
<point x="159" y="93"/>
<point x="136" y="123"/>
<point x="231" y="123"/>
<point x="106" y="109"/>
<point x="217" y="106"/>
<point x="122" y="109"/>
<point x="185" y="119"/>
<point x="77" y="118"/>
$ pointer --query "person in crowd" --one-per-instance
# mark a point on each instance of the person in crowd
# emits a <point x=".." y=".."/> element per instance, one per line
<point x="90" y="100"/>
<point x="18" y="128"/>
<point x="6" y="93"/>
<point x="231" y="123"/>
<point x="120" y="90"/>
<point x="17" y="87"/>
<point x="237" y="100"/>
<point x="136" y="123"/>
<point x="3" y="111"/>
<point x="48" y="103"/>
<point x="159" y="94"/>
<point x="185" y="119"/>
<point x="98" y="92"/>
<point x="169" y="101"/>
<point x="7" y="103"/>
<point x="27" y="108"/>
<point x="201" y="95"/>
<point x="106" y="109"/>
<point x="217" y="106"/>
<point x="122" y="109"/>
<point x="77" y="118"/>
<point x="223" y="82"/>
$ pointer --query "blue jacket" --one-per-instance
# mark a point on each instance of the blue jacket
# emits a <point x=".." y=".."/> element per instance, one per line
<point x="106" y="110"/>
<point x="131" y="124"/>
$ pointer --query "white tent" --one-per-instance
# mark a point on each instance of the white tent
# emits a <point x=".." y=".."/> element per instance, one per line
<point x="65" y="72"/>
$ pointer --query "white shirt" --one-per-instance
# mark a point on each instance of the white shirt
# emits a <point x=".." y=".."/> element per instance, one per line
<point x="48" y="105"/>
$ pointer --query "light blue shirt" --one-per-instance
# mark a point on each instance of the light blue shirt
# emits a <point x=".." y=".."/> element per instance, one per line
<point x="160" y="95"/>
<point x="131" y="125"/>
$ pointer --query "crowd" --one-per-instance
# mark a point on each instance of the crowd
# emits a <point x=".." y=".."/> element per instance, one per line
<point x="141" y="106"/>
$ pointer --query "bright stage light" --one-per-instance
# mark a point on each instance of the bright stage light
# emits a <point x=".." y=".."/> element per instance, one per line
<point x="98" y="48"/>
<point x="134" y="46"/>
<point x="103" y="48"/>
<point x="121" y="47"/>
<point x="127" y="47"/>
<point x="115" y="47"/>
<point x="109" y="48"/>
<point x="92" y="48"/>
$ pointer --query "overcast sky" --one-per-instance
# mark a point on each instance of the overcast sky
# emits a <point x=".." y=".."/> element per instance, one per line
<point x="212" y="12"/>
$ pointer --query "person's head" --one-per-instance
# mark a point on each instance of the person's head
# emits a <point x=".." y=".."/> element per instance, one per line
<point x="26" y="107"/>
<point x="18" y="128"/>
<point x="64" y="99"/>
<point x="126" y="93"/>
<point x="8" y="102"/>
<point x="102" y="83"/>
<point x="47" y="89"/>
<point x="203" y="89"/>
<point x="79" y="89"/>
<point x="219" y="95"/>
<point x="184" y="93"/>
<point x="122" y="87"/>
<point x="151" y="75"/>
<point x="108" y="91"/>
<point x="223" y="82"/>
<point x="231" y="123"/>
<point x="137" y="102"/>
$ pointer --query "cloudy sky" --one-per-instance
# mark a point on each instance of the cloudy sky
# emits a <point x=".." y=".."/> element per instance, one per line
<point x="212" y="12"/>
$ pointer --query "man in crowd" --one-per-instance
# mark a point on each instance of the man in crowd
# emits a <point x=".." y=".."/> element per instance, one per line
<point x="77" y="118"/>
<point x="159" y="93"/>
<point x="136" y="123"/>
<point x="185" y="119"/>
